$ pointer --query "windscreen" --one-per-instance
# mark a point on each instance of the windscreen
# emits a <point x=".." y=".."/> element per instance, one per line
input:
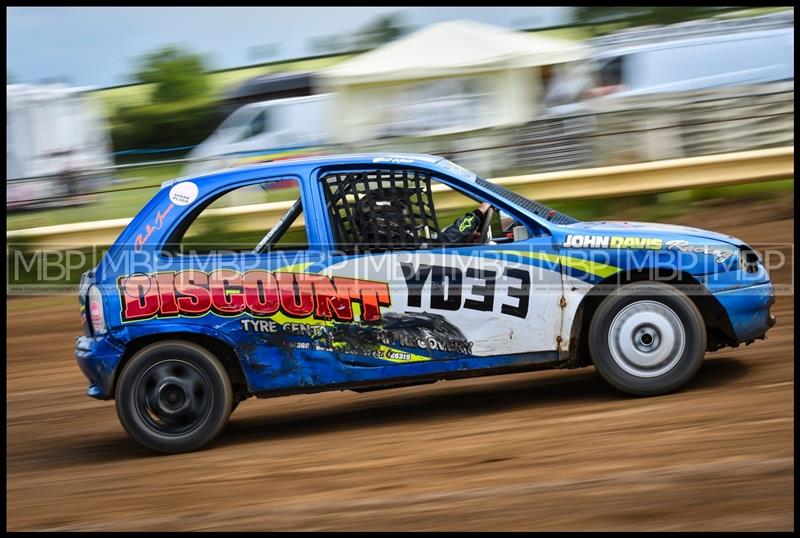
<point x="541" y="210"/>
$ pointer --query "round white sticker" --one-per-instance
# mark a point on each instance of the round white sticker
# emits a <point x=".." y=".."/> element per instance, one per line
<point x="183" y="193"/>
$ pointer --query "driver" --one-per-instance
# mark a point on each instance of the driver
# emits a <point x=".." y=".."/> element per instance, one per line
<point x="466" y="229"/>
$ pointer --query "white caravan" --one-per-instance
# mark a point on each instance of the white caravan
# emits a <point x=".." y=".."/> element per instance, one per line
<point x="58" y="136"/>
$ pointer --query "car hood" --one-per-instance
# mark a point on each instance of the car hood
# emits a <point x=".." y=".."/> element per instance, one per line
<point x="665" y="231"/>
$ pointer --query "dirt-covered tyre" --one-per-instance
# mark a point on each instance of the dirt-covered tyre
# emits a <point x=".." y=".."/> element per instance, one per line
<point x="647" y="338"/>
<point x="173" y="396"/>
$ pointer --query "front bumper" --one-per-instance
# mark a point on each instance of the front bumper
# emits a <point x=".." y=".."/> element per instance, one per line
<point x="98" y="359"/>
<point x="748" y="310"/>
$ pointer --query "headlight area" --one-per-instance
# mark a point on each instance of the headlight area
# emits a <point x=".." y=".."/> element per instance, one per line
<point x="96" y="310"/>
<point x="745" y="271"/>
<point x="749" y="260"/>
<point x="743" y="289"/>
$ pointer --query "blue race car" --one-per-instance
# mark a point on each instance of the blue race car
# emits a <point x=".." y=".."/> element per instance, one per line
<point x="376" y="290"/>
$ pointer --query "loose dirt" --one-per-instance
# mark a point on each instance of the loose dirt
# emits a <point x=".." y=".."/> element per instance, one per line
<point x="549" y="450"/>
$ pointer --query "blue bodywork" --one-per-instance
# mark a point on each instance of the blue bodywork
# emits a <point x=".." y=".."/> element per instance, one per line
<point x="577" y="250"/>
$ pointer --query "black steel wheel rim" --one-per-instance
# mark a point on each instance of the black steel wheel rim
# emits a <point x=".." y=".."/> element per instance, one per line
<point x="173" y="397"/>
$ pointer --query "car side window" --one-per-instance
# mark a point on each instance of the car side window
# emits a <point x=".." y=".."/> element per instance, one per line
<point x="255" y="218"/>
<point x="452" y="206"/>
<point x="378" y="210"/>
<point x="397" y="209"/>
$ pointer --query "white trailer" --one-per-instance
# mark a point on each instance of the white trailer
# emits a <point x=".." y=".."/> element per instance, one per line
<point x="692" y="56"/>
<point x="57" y="140"/>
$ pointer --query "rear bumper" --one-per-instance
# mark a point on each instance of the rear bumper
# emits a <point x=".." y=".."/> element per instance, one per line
<point x="748" y="310"/>
<point x="98" y="360"/>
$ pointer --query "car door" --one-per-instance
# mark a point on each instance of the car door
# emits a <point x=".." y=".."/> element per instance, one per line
<point x="441" y="302"/>
<point x="238" y="264"/>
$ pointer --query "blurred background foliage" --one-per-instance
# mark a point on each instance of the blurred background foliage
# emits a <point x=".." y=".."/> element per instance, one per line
<point x="182" y="109"/>
<point x="177" y="74"/>
<point x="601" y="20"/>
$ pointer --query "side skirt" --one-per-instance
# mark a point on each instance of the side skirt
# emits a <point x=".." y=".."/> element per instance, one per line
<point x="549" y="361"/>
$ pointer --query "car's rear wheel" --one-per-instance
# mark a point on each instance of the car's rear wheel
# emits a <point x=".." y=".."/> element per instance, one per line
<point x="173" y="396"/>
<point x="647" y="338"/>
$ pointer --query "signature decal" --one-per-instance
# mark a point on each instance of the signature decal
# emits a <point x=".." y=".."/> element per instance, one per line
<point x="720" y="254"/>
<point x="138" y="244"/>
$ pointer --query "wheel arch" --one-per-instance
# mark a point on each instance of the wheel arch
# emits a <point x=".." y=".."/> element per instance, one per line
<point x="224" y="350"/>
<point x="719" y="330"/>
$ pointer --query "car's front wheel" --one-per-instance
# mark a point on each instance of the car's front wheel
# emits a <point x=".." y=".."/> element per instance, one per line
<point x="173" y="396"/>
<point x="647" y="338"/>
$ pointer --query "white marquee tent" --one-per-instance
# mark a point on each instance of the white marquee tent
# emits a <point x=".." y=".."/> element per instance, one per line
<point x="490" y="74"/>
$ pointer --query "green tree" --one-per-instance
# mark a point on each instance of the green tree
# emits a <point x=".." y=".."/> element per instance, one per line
<point x="182" y="110"/>
<point x="177" y="74"/>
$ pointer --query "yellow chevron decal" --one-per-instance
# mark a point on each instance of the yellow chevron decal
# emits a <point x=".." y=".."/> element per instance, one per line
<point x="595" y="268"/>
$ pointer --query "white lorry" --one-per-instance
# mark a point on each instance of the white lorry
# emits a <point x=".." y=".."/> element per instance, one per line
<point x="266" y="131"/>
<point x="57" y="140"/>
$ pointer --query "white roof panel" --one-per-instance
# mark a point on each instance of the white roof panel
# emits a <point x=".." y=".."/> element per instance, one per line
<point x="452" y="48"/>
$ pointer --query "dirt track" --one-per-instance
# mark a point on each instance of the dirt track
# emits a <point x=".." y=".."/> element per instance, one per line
<point x="551" y="450"/>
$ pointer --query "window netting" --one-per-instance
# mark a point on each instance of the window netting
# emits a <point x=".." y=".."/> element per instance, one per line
<point x="381" y="209"/>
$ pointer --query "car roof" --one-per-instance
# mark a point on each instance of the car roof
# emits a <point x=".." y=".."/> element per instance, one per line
<point x="359" y="159"/>
<point x="271" y="83"/>
<point x="622" y="49"/>
<point x="267" y="103"/>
